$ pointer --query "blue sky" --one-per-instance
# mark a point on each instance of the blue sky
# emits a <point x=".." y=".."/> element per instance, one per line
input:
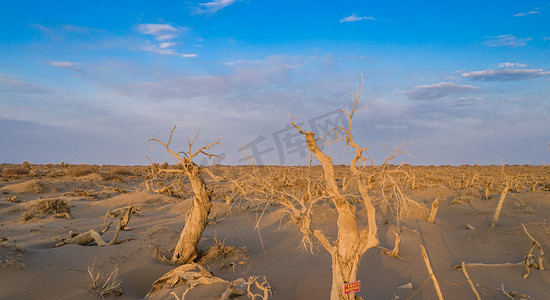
<point x="90" y="82"/>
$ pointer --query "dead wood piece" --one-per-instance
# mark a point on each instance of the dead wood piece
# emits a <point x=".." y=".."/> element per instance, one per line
<point x="82" y="239"/>
<point x="530" y="258"/>
<point x="125" y="218"/>
<point x="528" y="262"/>
<point x="470" y="227"/>
<point x="194" y="274"/>
<point x="407" y="286"/>
<point x="488" y="191"/>
<point x="264" y="286"/>
<point x="236" y="288"/>
<point x="432" y="275"/>
<point x="114" y="213"/>
<point x="395" y="251"/>
<point x="507" y="264"/>
<point x="433" y="211"/>
<point x="499" y="206"/>
<point x="62" y="215"/>
<point x="512" y="294"/>
<point x="470" y="281"/>
<point x="124" y="214"/>
<point x="90" y="236"/>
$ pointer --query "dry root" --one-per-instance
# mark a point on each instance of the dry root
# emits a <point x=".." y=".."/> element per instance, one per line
<point x="194" y="274"/>
<point x="264" y="287"/>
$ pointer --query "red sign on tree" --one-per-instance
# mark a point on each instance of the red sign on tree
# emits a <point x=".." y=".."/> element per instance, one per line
<point x="352" y="287"/>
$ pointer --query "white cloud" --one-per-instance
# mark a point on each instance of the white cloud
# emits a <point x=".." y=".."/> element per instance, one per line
<point x="511" y="65"/>
<point x="166" y="37"/>
<point x="214" y="6"/>
<point x="505" y="74"/>
<point x="355" y="18"/>
<point x="505" y="40"/>
<point x="156" y="29"/>
<point x="436" y="91"/>
<point x="65" y="65"/>
<point x="163" y="35"/>
<point x="157" y="49"/>
<point x="166" y="45"/>
<point x="533" y="12"/>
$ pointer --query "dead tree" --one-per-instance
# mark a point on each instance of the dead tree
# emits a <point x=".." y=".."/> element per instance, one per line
<point x="197" y="215"/>
<point x="352" y="241"/>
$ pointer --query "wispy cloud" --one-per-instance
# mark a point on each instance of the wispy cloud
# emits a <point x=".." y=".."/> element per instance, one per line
<point x="505" y="40"/>
<point x="161" y="32"/>
<point x="511" y="65"/>
<point x="213" y="7"/>
<point x="355" y="18"/>
<point x="470" y="99"/>
<point x="243" y="78"/>
<point x="9" y="84"/>
<point x="533" y="12"/>
<point x="69" y="32"/>
<point x="65" y="65"/>
<point x="436" y="91"/>
<point x="163" y="35"/>
<point x="505" y="74"/>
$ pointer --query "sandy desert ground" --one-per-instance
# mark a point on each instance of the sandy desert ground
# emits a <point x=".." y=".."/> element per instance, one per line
<point x="41" y="204"/>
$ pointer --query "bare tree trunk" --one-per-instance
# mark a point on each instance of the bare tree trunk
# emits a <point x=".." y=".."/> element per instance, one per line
<point x="351" y="242"/>
<point x="488" y="191"/>
<point x="343" y="273"/>
<point x="197" y="218"/>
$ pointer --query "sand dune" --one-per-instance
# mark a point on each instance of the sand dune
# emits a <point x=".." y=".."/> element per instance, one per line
<point x="30" y="268"/>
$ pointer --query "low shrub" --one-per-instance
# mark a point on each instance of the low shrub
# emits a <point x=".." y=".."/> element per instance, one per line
<point x="81" y="170"/>
<point x="47" y="207"/>
<point x="15" y="171"/>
